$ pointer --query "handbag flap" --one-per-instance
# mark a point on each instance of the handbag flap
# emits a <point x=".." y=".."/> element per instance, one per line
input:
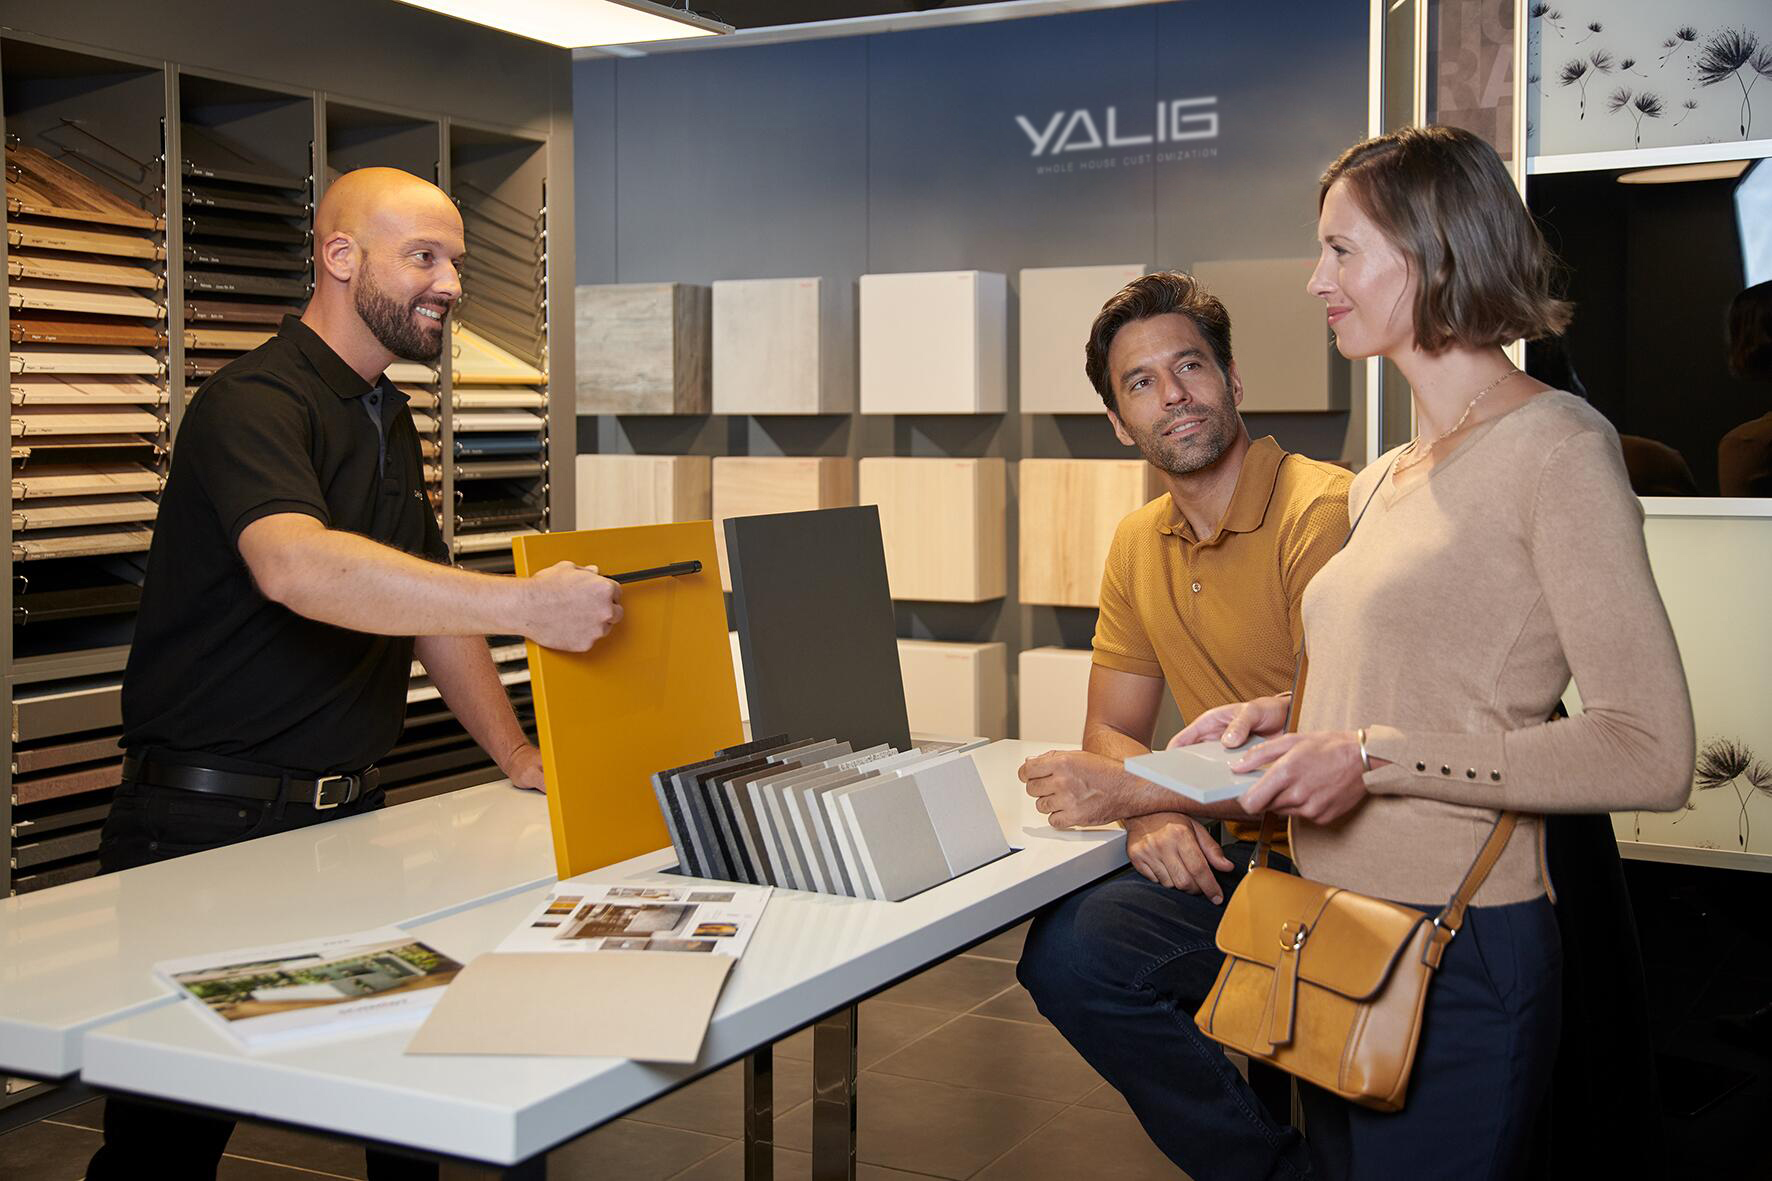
<point x="1351" y="941"/>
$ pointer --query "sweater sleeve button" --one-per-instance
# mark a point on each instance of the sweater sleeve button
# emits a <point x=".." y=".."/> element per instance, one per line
<point x="1495" y="776"/>
<point x="1445" y="770"/>
<point x="1421" y="766"/>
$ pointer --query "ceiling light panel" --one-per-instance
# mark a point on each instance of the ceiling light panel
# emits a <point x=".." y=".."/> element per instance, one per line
<point x="576" y="24"/>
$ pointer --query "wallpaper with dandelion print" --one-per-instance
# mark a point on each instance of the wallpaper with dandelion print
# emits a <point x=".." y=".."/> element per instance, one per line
<point x="1613" y="75"/>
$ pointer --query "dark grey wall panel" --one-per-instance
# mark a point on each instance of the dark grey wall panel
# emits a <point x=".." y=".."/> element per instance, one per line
<point x="593" y="134"/>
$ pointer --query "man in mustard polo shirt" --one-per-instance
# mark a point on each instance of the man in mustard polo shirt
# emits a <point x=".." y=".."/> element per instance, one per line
<point x="1201" y="593"/>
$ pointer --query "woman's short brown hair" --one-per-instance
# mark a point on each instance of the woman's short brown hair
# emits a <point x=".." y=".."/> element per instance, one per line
<point x="1443" y="197"/>
<point x="1161" y="294"/>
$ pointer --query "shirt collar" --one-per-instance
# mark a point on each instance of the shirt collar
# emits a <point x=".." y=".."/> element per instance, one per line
<point x="339" y="377"/>
<point x="1250" y="498"/>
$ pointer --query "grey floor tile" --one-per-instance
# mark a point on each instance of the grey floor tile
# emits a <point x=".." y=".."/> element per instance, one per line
<point x="1106" y="1098"/>
<point x="886" y="1028"/>
<point x="628" y="1150"/>
<point x="728" y="1165"/>
<point x="1084" y="1142"/>
<point x="955" y="986"/>
<point x="714" y="1105"/>
<point x="1005" y="946"/>
<point x="1012" y="1004"/>
<point x="46" y="1152"/>
<point x="1009" y="1056"/>
<point x="924" y="1127"/>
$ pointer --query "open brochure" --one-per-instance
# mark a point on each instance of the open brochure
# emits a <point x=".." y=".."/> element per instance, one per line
<point x="578" y="916"/>
<point x="315" y="988"/>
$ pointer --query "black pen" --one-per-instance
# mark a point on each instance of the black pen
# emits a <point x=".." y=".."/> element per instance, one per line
<point x="671" y="571"/>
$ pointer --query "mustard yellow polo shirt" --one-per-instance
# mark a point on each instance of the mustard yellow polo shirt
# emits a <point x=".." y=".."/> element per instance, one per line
<point x="1219" y="619"/>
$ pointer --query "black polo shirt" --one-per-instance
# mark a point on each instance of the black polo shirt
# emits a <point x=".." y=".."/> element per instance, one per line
<point x="222" y="675"/>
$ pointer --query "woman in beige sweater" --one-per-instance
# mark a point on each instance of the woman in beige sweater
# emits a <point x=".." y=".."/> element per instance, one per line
<point x="1499" y="554"/>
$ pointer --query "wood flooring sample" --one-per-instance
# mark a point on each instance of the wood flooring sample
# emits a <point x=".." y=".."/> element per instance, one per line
<point x="1281" y="340"/>
<point x="934" y="343"/>
<point x="1054" y="693"/>
<point x="1069" y="511"/>
<point x="615" y="491"/>
<point x="769" y="349"/>
<point x="643" y="348"/>
<point x="750" y="486"/>
<point x="1058" y="307"/>
<point x="956" y="690"/>
<point x="944" y="525"/>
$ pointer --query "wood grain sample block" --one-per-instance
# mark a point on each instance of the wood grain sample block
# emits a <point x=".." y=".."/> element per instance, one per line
<point x="956" y="690"/>
<point x="749" y="486"/>
<point x="643" y="348"/>
<point x="1280" y="339"/>
<point x="934" y="343"/>
<point x="944" y="523"/>
<point x="1054" y="694"/>
<point x="1058" y="306"/>
<point x="615" y="491"/>
<point x="1069" y="511"/>
<point x="770" y="354"/>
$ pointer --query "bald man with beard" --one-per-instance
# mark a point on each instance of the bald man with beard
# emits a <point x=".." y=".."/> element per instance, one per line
<point x="296" y="570"/>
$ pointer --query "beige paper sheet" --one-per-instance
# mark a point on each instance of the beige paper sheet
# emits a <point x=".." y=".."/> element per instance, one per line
<point x="649" y="1006"/>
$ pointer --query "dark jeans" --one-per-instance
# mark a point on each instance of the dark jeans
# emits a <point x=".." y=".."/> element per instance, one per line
<point x="1120" y="968"/>
<point x="1482" y="1069"/>
<point x="149" y="824"/>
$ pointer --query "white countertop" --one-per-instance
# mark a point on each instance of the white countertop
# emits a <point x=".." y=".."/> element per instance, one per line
<point x="74" y="956"/>
<point x="812" y="954"/>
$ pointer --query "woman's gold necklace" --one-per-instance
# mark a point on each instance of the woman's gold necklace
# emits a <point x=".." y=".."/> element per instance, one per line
<point x="1443" y="435"/>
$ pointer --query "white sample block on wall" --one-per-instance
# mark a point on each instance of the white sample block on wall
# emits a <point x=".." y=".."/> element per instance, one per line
<point x="1054" y="694"/>
<point x="955" y="690"/>
<point x="934" y="343"/>
<point x="1058" y="306"/>
<point x="1279" y="337"/>
<point x="770" y="354"/>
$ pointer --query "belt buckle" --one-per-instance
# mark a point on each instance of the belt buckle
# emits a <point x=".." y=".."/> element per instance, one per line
<point x="321" y="797"/>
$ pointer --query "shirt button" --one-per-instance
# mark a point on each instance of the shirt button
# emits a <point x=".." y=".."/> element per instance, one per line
<point x="1196" y="588"/>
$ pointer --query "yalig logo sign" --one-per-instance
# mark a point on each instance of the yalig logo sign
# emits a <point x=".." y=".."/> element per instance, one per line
<point x="1177" y="120"/>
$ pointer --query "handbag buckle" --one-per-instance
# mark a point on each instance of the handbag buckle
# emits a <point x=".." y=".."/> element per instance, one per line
<point x="1451" y="932"/>
<point x="1292" y="935"/>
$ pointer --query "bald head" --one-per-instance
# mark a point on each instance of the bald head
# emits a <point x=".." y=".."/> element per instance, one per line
<point x="386" y="247"/>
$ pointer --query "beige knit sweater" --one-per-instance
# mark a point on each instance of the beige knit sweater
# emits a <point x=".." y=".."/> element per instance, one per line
<point x="1451" y="625"/>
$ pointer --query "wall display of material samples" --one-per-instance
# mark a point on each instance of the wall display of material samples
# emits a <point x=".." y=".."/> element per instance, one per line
<point x="618" y="490"/>
<point x="1058" y="306"/>
<point x="643" y="348"/>
<point x="770" y="351"/>
<point x="934" y="343"/>
<point x="831" y="816"/>
<point x="945" y="525"/>
<point x="956" y="690"/>
<point x="1070" y="509"/>
<point x="749" y="486"/>
<point x="1054" y="685"/>
<point x="1279" y="336"/>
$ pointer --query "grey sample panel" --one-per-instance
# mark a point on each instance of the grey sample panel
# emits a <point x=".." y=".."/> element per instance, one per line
<point x="894" y="838"/>
<point x="815" y="625"/>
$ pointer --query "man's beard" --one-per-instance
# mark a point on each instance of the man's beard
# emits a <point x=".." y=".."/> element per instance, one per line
<point x="394" y="324"/>
<point x="1218" y="429"/>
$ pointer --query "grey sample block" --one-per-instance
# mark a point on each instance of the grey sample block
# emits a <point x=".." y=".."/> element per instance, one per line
<point x="1282" y="339"/>
<point x="960" y="811"/>
<point x="895" y="840"/>
<point x="1058" y="307"/>
<point x="643" y="348"/>
<point x="1200" y="772"/>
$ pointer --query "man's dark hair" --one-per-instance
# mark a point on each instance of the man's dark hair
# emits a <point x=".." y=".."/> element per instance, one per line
<point x="1750" y="333"/>
<point x="1161" y="294"/>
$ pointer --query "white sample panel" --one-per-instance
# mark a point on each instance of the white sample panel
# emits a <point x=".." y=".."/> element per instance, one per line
<point x="956" y="690"/>
<point x="894" y="838"/>
<point x="961" y="814"/>
<point x="1054" y="694"/>
<point x="768" y="349"/>
<point x="934" y="343"/>
<point x="1058" y="306"/>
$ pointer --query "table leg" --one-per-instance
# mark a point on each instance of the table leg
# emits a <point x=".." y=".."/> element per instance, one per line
<point x="759" y="1115"/>
<point x="833" y="1096"/>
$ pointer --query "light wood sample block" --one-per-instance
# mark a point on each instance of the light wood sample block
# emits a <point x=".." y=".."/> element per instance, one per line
<point x="744" y="703"/>
<point x="642" y="348"/>
<point x="615" y="491"/>
<point x="1279" y="337"/>
<point x="934" y="343"/>
<point x="751" y="486"/>
<point x="1058" y="307"/>
<point x="770" y="354"/>
<point x="956" y="690"/>
<point x="1069" y="511"/>
<point x="1054" y="694"/>
<point x="944" y="525"/>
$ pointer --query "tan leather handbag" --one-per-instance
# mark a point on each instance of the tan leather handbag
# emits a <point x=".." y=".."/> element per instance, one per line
<point x="1330" y="985"/>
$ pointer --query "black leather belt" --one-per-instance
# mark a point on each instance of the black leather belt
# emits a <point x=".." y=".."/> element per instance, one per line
<point x="328" y="791"/>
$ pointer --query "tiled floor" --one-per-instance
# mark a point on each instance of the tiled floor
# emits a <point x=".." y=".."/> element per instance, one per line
<point x="960" y="1078"/>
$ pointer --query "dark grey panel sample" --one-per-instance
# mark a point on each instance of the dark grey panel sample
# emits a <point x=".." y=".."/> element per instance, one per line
<point x="815" y="625"/>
